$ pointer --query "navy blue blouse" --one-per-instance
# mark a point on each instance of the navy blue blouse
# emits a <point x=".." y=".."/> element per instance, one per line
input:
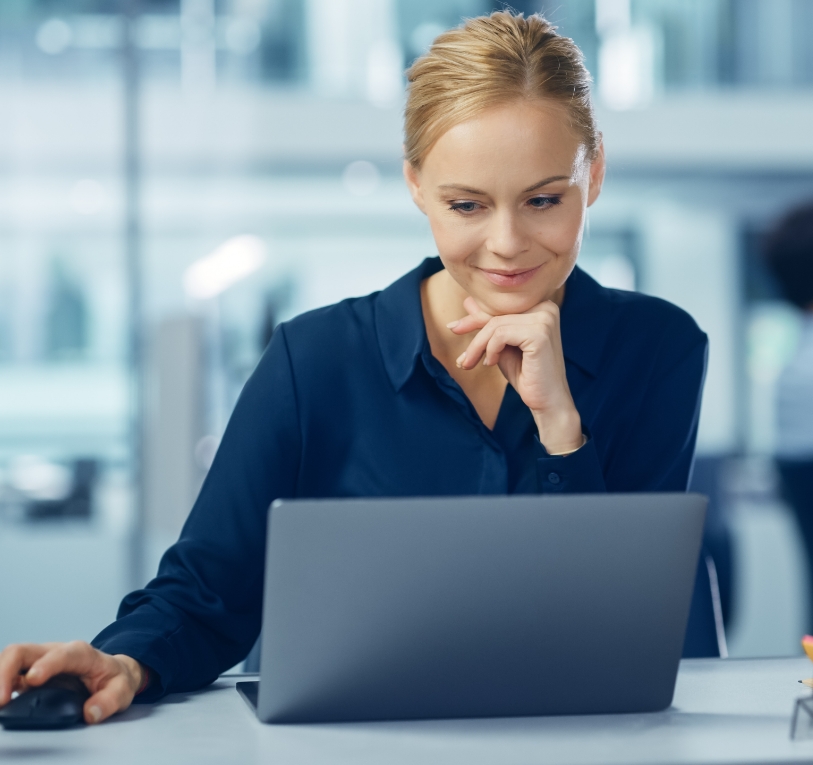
<point x="349" y="401"/>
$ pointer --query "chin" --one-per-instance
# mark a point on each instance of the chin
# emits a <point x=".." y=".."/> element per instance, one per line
<point x="503" y="303"/>
<point x="503" y="300"/>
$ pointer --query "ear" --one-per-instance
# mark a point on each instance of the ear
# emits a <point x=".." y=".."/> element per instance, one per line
<point x="413" y="182"/>
<point x="597" y="169"/>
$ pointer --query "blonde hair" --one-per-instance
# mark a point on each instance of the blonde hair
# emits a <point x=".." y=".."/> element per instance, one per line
<point x="490" y="60"/>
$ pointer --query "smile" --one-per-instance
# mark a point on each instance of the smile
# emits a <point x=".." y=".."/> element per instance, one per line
<point x="510" y="278"/>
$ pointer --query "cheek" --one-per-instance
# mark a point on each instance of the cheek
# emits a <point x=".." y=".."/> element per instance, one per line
<point x="455" y="241"/>
<point x="562" y="235"/>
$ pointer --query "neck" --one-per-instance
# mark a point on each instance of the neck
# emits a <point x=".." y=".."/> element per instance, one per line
<point x="442" y="302"/>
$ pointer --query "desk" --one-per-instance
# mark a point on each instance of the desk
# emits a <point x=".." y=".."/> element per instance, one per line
<point x="725" y="711"/>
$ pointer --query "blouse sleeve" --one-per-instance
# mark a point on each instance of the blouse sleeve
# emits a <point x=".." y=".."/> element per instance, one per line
<point x="202" y="612"/>
<point x="577" y="473"/>
<point x="656" y="453"/>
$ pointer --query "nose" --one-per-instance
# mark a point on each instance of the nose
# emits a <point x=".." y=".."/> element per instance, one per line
<point x="506" y="237"/>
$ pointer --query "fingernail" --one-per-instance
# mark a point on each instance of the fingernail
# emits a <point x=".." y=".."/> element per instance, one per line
<point x="32" y="674"/>
<point x="95" y="714"/>
<point x="486" y="363"/>
<point x="452" y="324"/>
<point x="460" y="359"/>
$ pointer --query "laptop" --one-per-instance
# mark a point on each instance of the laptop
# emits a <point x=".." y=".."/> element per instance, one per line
<point x="488" y="606"/>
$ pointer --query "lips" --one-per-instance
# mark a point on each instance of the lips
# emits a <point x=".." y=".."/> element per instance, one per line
<point x="510" y="278"/>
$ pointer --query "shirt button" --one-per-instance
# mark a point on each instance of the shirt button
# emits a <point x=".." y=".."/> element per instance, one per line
<point x="553" y="478"/>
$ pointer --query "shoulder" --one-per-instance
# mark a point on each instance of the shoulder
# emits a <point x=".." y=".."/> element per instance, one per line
<point x="666" y="333"/>
<point x="615" y="329"/>
<point x="661" y="336"/>
<point x="637" y="315"/>
<point x="331" y="333"/>
<point x="654" y="316"/>
<point x="354" y="326"/>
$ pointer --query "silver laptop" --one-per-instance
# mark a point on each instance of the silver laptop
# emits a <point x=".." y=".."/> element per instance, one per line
<point x="395" y="609"/>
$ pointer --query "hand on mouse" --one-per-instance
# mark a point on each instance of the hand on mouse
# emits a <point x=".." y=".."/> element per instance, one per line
<point x="112" y="680"/>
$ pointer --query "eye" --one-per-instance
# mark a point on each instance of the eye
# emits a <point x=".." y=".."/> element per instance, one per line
<point x="543" y="203"/>
<point x="464" y="207"/>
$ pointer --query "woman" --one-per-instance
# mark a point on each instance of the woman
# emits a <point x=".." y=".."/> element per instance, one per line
<point x="497" y="368"/>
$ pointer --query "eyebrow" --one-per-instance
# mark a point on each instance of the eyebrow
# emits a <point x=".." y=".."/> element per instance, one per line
<point x="469" y="190"/>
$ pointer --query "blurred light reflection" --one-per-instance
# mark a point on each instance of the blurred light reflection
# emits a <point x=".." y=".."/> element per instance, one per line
<point x="232" y="261"/>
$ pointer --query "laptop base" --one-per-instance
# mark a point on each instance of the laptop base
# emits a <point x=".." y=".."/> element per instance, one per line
<point x="249" y="690"/>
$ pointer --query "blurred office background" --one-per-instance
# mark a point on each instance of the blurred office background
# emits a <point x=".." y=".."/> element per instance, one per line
<point x="178" y="176"/>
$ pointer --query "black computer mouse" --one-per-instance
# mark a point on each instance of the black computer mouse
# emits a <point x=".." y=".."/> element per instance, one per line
<point x="56" y="703"/>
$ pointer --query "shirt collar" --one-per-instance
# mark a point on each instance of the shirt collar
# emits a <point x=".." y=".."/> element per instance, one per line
<point x="399" y="322"/>
<point x="402" y="334"/>
<point x="586" y="320"/>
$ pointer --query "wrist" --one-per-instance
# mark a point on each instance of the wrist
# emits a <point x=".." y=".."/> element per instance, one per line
<point x="560" y="432"/>
<point x="137" y="673"/>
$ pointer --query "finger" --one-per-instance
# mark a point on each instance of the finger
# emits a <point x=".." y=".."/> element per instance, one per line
<point x="547" y="306"/>
<point x="477" y="347"/>
<point x="496" y="343"/>
<point x="468" y="324"/>
<point x="14" y="660"/>
<point x="510" y="363"/>
<point x="504" y="335"/>
<point x="75" y="658"/>
<point x="476" y="319"/>
<point x="116" y="696"/>
<point x="470" y="358"/>
<point x="539" y="324"/>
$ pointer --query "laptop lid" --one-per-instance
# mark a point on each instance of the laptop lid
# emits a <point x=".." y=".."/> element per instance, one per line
<point x="392" y="609"/>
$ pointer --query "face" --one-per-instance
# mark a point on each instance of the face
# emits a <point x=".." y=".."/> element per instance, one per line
<point x="506" y="195"/>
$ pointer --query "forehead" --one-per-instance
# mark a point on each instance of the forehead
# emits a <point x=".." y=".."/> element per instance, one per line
<point x="519" y="138"/>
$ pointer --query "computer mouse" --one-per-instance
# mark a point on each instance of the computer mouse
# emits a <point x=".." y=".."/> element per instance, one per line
<point x="57" y="703"/>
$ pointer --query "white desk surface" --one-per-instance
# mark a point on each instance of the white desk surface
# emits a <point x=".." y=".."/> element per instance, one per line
<point x="725" y="711"/>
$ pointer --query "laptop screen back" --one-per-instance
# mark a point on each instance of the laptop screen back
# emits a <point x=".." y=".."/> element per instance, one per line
<point x="475" y="606"/>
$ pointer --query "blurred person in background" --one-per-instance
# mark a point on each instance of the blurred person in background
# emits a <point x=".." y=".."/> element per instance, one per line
<point x="499" y="367"/>
<point x="789" y="253"/>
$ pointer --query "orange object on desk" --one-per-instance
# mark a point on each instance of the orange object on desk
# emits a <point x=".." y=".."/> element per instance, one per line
<point x="807" y="644"/>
